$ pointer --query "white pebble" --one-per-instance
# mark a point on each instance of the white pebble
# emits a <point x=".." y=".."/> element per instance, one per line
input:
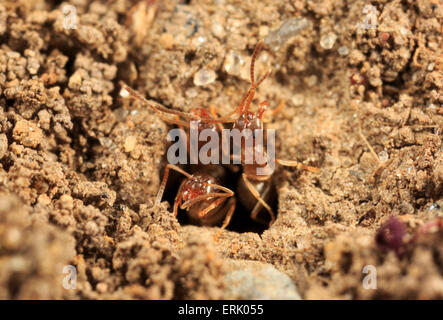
<point x="287" y="30"/>
<point x="204" y="77"/>
<point x="191" y="93"/>
<point x="218" y="30"/>
<point x="343" y="51"/>
<point x="124" y="93"/>
<point x="327" y="41"/>
<point x="233" y="63"/>
<point x="383" y="156"/>
<point x="298" y="99"/>
<point x="311" y="80"/>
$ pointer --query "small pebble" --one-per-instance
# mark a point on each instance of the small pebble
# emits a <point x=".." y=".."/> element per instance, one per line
<point x="327" y="41"/>
<point x="102" y="287"/>
<point x="67" y="202"/>
<point x="130" y="143"/>
<point x="44" y="199"/>
<point x="311" y="80"/>
<point x="191" y="93"/>
<point x="383" y="156"/>
<point x="75" y="81"/>
<point x="12" y="239"/>
<point x="253" y="280"/>
<point x="263" y="31"/>
<point x="298" y="99"/>
<point x="287" y="30"/>
<point x="167" y="41"/>
<point x="3" y="145"/>
<point x="106" y="142"/>
<point x="343" y="51"/>
<point x="124" y="93"/>
<point x="217" y="29"/>
<point x="204" y="76"/>
<point x="434" y="206"/>
<point x="121" y="114"/>
<point x="33" y="65"/>
<point x="233" y="63"/>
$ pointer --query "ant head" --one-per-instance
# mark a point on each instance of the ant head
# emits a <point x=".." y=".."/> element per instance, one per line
<point x="197" y="186"/>
<point x="250" y="120"/>
<point x="198" y="193"/>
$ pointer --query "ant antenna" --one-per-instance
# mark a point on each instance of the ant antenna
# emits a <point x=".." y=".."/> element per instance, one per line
<point x="254" y="85"/>
<point x="247" y="98"/>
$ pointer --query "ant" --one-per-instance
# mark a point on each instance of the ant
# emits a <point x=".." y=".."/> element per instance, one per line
<point x="201" y="193"/>
<point x="258" y="185"/>
<point x="198" y="190"/>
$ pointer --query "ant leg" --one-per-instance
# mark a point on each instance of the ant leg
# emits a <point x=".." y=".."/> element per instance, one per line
<point x="157" y="107"/>
<point x="165" y="179"/>
<point x="214" y="204"/>
<point x="236" y="110"/>
<point x="257" y="196"/>
<point x="215" y="116"/>
<point x="128" y="91"/>
<point x="191" y="202"/>
<point x="258" y="206"/>
<point x="178" y="199"/>
<point x="267" y="73"/>
<point x="381" y="165"/>
<point x="279" y="108"/>
<point x="262" y="109"/>
<point x="232" y="203"/>
<point x="275" y="111"/>
<point x="217" y="186"/>
<point x="417" y="51"/>
<point x="291" y="163"/>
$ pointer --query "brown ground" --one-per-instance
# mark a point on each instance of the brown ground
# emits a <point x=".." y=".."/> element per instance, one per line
<point x="80" y="166"/>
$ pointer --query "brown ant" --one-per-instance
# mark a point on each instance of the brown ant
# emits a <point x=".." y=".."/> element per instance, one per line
<point x="196" y="193"/>
<point x="259" y="186"/>
<point x="201" y="193"/>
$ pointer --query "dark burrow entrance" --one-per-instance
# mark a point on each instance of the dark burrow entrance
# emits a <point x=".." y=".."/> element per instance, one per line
<point x="241" y="220"/>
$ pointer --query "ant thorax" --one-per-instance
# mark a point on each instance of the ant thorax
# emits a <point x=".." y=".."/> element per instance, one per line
<point x="251" y="122"/>
<point x="256" y="147"/>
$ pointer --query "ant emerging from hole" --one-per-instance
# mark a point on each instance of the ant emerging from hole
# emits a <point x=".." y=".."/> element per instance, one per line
<point x="201" y="193"/>
<point x="254" y="189"/>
